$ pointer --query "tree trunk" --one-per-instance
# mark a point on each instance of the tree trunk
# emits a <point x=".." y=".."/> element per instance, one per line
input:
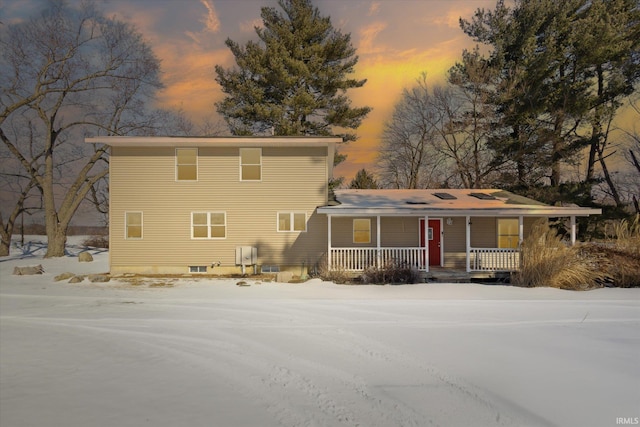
<point x="607" y="177"/>
<point x="5" y="244"/>
<point x="596" y="131"/>
<point x="56" y="241"/>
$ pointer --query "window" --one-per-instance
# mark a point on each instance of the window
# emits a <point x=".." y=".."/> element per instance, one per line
<point x="250" y="164"/>
<point x="197" y="269"/>
<point x="133" y="225"/>
<point x="208" y="225"/>
<point x="361" y="231"/>
<point x="186" y="164"/>
<point x="292" y="221"/>
<point x="508" y="233"/>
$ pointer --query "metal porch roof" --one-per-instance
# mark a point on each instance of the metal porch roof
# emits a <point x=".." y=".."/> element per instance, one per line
<point x="430" y="202"/>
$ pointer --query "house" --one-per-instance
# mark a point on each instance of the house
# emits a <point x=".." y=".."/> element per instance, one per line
<point x="230" y="204"/>
<point x="217" y="205"/>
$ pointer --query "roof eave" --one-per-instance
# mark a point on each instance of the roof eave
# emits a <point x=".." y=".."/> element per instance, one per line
<point x="510" y="211"/>
<point x="235" y="141"/>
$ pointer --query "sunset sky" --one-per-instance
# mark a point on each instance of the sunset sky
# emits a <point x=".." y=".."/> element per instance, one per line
<point x="396" y="40"/>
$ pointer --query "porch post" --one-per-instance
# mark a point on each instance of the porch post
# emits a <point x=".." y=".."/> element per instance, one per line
<point x="329" y="242"/>
<point x="573" y="230"/>
<point x="468" y="241"/>
<point x="378" y="241"/>
<point x="520" y="230"/>
<point x="426" y="242"/>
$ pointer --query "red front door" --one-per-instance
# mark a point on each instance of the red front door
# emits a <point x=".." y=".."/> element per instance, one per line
<point x="432" y="235"/>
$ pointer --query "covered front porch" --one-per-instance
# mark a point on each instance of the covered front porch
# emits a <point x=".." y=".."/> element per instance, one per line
<point x="428" y="251"/>
<point x="472" y="231"/>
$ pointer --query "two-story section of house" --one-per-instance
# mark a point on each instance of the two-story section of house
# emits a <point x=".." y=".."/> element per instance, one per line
<point x="217" y="204"/>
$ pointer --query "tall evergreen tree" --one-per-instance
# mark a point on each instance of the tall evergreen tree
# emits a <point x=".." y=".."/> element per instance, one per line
<point x="364" y="180"/>
<point x="563" y="66"/>
<point x="294" y="80"/>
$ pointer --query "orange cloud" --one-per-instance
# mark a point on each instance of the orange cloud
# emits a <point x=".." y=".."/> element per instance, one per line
<point x="368" y="37"/>
<point x="388" y="71"/>
<point x="211" y="22"/>
<point x="190" y="80"/>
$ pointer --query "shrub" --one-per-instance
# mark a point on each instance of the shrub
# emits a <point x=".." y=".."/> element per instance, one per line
<point x="548" y="261"/>
<point x="98" y="241"/>
<point x="390" y="274"/>
<point x="335" y="275"/>
<point x="619" y="257"/>
<point x="626" y="236"/>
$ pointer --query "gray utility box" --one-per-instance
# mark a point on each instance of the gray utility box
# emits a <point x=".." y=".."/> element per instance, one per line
<point x="246" y="255"/>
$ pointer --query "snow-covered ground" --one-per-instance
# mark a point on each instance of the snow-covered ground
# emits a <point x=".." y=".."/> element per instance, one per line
<point x="192" y="352"/>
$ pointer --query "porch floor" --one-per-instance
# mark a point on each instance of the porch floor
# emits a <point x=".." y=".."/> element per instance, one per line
<point x="452" y="275"/>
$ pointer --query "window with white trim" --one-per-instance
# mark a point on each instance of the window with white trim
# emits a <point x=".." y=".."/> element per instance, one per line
<point x="250" y="164"/>
<point x="292" y="221"/>
<point x="208" y="225"/>
<point x="361" y="230"/>
<point x="133" y="225"/>
<point x="186" y="164"/>
<point x="508" y="233"/>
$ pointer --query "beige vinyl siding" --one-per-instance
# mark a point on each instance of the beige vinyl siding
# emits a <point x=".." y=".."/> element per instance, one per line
<point x="394" y="232"/>
<point x="143" y="179"/>
<point x="399" y="232"/>
<point x="455" y="235"/>
<point x="483" y="232"/>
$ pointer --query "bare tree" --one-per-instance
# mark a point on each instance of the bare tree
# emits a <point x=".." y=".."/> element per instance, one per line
<point x="438" y="136"/>
<point x="67" y="73"/>
<point x="408" y="157"/>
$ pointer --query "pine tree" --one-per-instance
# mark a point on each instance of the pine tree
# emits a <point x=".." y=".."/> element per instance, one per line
<point x="364" y="180"/>
<point x="563" y="68"/>
<point x="294" y="80"/>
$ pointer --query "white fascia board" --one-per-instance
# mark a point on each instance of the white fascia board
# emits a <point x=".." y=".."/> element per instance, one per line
<point x="508" y="212"/>
<point x="170" y="141"/>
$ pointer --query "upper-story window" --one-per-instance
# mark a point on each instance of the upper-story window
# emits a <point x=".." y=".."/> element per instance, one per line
<point x="250" y="164"/>
<point x="186" y="164"/>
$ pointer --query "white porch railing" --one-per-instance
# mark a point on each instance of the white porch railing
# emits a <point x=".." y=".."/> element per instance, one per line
<point x="494" y="259"/>
<point x="480" y="259"/>
<point x="359" y="259"/>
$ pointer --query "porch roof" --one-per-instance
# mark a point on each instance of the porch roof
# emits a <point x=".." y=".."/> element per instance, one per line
<point x="445" y="202"/>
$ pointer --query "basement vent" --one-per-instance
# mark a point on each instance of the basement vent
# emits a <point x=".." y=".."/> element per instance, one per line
<point x="482" y="196"/>
<point x="445" y="196"/>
